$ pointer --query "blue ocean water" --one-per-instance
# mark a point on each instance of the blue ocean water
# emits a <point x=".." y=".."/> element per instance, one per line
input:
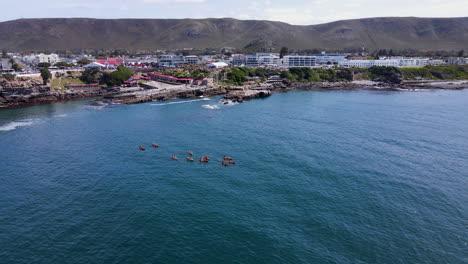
<point x="321" y="177"/>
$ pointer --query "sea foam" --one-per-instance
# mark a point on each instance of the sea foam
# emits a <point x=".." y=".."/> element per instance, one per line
<point x="15" y="124"/>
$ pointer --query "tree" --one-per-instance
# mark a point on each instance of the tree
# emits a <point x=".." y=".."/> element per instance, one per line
<point x="91" y="75"/>
<point x="83" y="61"/>
<point x="345" y="74"/>
<point x="63" y="65"/>
<point x="17" y="67"/>
<point x="461" y="53"/>
<point x="386" y="74"/>
<point x="116" y="77"/>
<point x="4" y="53"/>
<point x="283" y="52"/>
<point x="46" y="75"/>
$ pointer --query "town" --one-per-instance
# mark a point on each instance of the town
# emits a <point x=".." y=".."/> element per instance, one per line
<point x="136" y="78"/>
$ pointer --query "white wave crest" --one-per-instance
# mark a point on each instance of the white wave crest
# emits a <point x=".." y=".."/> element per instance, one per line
<point x="15" y="124"/>
<point x="211" y="107"/>
<point x="182" y="102"/>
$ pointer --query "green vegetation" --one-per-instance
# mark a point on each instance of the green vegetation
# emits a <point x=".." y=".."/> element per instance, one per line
<point x="91" y="75"/>
<point x="8" y="76"/>
<point x="46" y="75"/>
<point x="385" y="74"/>
<point x="283" y="52"/>
<point x="64" y="65"/>
<point x="196" y="74"/>
<point x="83" y="61"/>
<point x="118" y="77"/>
<point x="59" y="83"/>
<point x="237" y="76"/>
<point x="450" y="72"/>
<point x="43" y="65"/>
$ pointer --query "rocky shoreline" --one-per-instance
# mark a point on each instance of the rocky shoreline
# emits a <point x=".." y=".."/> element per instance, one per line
<point x="12" y="97"/>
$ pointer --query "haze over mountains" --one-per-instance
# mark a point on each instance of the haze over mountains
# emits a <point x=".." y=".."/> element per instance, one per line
<point x="150" y="34"/>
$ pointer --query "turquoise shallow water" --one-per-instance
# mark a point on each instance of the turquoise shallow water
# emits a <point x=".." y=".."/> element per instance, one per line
<point x="321" y="177"/>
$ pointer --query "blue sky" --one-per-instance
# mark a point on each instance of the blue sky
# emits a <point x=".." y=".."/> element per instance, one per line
<point x="300" y="12"/>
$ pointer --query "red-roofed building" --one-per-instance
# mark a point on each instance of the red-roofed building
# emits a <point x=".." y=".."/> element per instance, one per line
<point x="113" y="61"/>
<point x="83" y="87"/>
<point x="170" y="79"/>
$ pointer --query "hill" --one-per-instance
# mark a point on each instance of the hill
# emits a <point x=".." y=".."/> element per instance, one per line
<point x="149" y="34"/>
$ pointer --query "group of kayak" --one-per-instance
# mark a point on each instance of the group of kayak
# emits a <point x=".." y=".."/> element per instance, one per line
<point x="227" y="161"/>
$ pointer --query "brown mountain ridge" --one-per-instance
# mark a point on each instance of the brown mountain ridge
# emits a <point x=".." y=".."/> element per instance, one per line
<point x="149" y="34"/>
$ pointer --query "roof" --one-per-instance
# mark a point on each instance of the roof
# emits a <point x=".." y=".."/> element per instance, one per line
<point x="94" y="64"/>
<point x="219" y="64"/>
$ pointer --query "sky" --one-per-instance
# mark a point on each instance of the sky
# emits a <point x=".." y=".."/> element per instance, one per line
<point x="298" y="12"/>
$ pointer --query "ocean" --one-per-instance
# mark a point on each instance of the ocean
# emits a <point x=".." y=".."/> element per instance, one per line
<point x="320" y="177"/>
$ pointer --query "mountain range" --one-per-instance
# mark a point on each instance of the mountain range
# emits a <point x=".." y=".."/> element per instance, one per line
<point x="53" y="34"/>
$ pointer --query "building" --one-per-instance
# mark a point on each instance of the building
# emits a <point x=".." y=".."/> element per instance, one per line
<point x="41" y="58"/>
<point x="112" y="62"/>
<point x="457" y="61"/>
<point x="299" y="61"/>
<point x="94" y="65"/>
<point x="238" y="59"/>
<point x="251" y="60"/>
<point x="218" y="65"/>
<point x="411" y="62"/>
<point x="260" y="59"/>
<point x="83" y="87"/>
<point x="436" y="62"/>
<point x="268" y="59"/>
<point x="171" y="60"/>
<point x="368" y="63"/>
<point x="324" y="58"/>
<point x="5" y="65"/>
<point x="191" y="59"/>
<point x="169" y="79"/>
<point x="48" y="58"/>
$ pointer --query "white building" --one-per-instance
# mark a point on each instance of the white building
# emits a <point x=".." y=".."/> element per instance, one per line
<point x="436" y="62"/>
<point x="238" y="59"/>
<point x="412" y="62"/>
<point x="218" y="65"/>
<point x="94" y="65"/>
<point x="41" y="58"/>
<point x="171" y="60"/>
<point x="299" y="61"/>
<point x="324" y="58"/>
<point x="268" y="59"/>
<point x="262" y="59"/>
<point x="368" y="63"/>
<point x="192" y="59"/>
<point x="457" y="61"/>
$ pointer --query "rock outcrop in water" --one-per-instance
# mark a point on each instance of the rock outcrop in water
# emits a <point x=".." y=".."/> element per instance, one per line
<point x="242" y="95"/>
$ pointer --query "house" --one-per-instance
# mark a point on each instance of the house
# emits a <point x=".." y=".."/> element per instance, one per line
<point x="5" y="65"/>
<point x="192" y="59"/>
<point x="83" y="87"/>
<point x="112" y="62"/>
<point x="368" y="63"/>
<point x="170" y="79"/>
<point x="218" y="65"/>
<point x="171" y="60"/>
<point x="238" y="59"/>
<point x="94" y="65"/>
<point x="299" y="61"/>
<point x="326" y="58"/>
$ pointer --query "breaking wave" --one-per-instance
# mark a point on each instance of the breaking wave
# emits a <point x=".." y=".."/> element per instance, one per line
<point x="182" y="102"/>
<point x="211" y="107"/>
<point x="15" y="124"/>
